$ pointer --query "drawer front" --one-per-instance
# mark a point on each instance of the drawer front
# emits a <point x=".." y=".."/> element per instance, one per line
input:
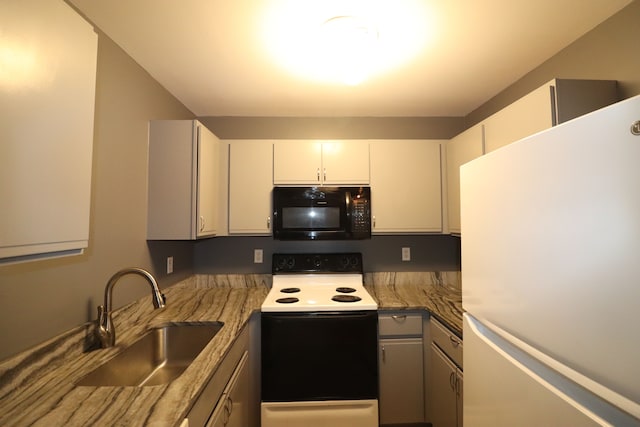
<point x="400" y="324"/>
<point x="448" y="342"/>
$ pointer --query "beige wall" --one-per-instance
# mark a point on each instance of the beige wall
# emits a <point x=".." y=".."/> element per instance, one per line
<point x="608" y="52"/>
<point x="334" y="127"/>
<point x="41" y="299"/>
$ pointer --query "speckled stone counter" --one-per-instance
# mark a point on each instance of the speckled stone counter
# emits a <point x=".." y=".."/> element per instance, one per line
<point x="37" y="387"/>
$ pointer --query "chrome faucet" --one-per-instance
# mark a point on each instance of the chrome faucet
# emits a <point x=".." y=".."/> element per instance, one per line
<point x="105" y="331"/>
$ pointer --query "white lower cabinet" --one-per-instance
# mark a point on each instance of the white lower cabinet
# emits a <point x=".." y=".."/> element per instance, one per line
<point x="401" y="365"/>
<point x="230" y="398"/>
<point x="231" y="410"/>
<point x="445" y="388"/>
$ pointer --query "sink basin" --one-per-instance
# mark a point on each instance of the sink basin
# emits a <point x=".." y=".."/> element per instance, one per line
<point x="159" y="357"/>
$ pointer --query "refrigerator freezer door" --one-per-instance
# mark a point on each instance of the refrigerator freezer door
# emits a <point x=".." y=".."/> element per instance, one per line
<point x="550" y="244"/>
<point x="504" y="387"/>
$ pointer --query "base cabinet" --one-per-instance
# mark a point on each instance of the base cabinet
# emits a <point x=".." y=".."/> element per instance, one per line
<point x="231" y="410"/>
<point x="401" y="364"/>
<point x="445" y="388"/>
<point x="446" y="400"/>
<point x="229" y="398"/>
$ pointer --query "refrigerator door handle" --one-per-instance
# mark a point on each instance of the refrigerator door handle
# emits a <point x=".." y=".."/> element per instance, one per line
<point x="593" y="399"/>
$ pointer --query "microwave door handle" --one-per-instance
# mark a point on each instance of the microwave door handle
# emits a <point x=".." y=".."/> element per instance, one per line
<point x="347" y="202"/>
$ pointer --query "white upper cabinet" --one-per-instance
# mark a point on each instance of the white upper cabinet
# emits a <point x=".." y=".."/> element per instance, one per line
<point x="250" y="185"/>
<point x="461" y="149"/>
<point x="406" y="186"/>
<point x="46" y="129"/>
<point x="184" y="182"/>
<point x="553" y="103"/>
<point x="305" y="162"/>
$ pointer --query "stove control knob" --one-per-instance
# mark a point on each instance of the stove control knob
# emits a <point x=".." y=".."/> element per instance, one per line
<point x="317" y="261"/>
<point x="291" y="262"/>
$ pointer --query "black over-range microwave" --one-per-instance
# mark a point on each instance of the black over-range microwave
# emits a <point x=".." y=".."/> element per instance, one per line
<point x="321" y="213"/>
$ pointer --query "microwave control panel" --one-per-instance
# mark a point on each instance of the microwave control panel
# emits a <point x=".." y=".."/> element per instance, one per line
<point x="360" y="216"/>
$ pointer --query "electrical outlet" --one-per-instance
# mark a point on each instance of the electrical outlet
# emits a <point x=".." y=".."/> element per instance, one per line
<point x="406" y="254"/>
<point x="257" y="256"/>
<point x="169" y="264"/>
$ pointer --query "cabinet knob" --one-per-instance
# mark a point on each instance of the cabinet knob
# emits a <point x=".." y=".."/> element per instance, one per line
<point x="454" y="341"/>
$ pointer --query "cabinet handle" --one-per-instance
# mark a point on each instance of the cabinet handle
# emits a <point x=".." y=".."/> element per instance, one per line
<point x="201" y="223"/>
<point x="318" y="174"/>
<point x="452" y="381"/>
<point x="399" y="317"/>
<point x="374" y="221"/>
<point x="384" y="355"/>
<point x="268" y="223"/>
<point x="454" y="341"/>
<point x="324" y="173"/>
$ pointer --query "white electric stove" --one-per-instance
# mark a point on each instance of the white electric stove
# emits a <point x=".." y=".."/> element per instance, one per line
<point x="319" y="343"/>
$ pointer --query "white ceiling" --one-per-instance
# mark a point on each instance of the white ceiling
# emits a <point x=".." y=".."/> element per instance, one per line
<point x="211" y="55"/>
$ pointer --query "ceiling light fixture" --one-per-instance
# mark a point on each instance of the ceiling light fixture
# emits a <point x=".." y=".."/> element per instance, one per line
<point x="360" y="39"/>
<point x="348" y="45"/>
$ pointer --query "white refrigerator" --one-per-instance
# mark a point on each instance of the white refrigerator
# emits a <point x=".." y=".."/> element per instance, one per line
<point x="551" y="276"/>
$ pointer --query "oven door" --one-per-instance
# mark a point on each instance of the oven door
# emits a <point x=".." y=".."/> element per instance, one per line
<point x="319" y="356"/>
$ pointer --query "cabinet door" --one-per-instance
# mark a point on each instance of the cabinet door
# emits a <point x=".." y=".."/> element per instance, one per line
<point x="250" y="177"/>
<point x="345" y="162"/>
<point x="459" y="400"/>
<point x="401" y="381"/>
<point x="238" y="395"/>
<point x="46" y="129"/>
<point x="207" y="190"/>
<point x="320" y="162"/>
<point x="183" y="180"/>
<point x="232" y="409"/>
<point x="406" y="186"/>
<point x="297" y="162"/>
<point x="444" y="411"/>
<point x="461" y="149"/>
<point x="528" y="115"/>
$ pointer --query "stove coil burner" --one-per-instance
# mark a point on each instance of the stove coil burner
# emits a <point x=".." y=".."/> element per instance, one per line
<point x="289" y="300"/>
<point x="346" y="298"/>
<point x="345" y="290"/>
<point x="290" y="290"/>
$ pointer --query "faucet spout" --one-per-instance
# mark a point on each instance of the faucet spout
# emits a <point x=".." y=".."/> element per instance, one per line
<point x="105" y="331"/>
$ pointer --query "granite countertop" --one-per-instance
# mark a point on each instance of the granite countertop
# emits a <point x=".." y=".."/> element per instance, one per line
<point x="37" y="386"/>
<point x="437" y="292"/>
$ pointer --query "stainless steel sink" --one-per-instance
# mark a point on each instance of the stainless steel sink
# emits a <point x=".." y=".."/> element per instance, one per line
<point x="157" y="358"/>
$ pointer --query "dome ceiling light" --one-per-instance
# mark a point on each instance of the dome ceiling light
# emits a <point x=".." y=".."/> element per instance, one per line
<point x="345" y="43"/>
